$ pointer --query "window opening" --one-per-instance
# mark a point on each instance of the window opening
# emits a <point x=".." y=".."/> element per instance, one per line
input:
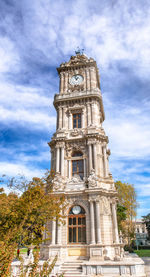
<point x="77" y="165"/>
<point x="77" y="168"/>
<point x="77" y="120"/>
<point x="77" y="225"/>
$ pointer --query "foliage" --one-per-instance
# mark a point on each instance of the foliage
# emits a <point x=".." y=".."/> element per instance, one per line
<point x="121" y="216"/>
<point x="128" y="248"/>
<point x="33" y="269"/>
<point x="23" y="216"/>
<point x="127" y="200"/>
<point x="146" y="220"/>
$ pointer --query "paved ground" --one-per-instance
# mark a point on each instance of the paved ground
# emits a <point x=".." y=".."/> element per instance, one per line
<point x="147" y="263"/>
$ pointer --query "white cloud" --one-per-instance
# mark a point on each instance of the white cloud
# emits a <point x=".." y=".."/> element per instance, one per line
<point x="144" y="190"/>
<point x="26" y="105"/>
<point x="9" y="56"/>
<point x="33" y="118"/>
<point x="128" y="128"/>
<point x="23" y="96"/>
<point x="39" y="157"/>
<point x="12" y="169"/>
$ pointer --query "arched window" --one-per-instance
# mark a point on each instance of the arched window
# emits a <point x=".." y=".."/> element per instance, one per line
<point x="77" y="225"/>
<point x="77" y="164"/>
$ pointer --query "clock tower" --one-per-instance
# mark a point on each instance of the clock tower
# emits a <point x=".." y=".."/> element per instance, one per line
<point x="80" y="160"/>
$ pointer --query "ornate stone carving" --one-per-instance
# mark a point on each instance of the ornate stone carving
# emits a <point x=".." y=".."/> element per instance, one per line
<point x="77" y="60"/>
<point x="105" y="206"/>
<point x="75" y="146"/>
<point x="75" y="179"/>
<point x="76" y="88"/>
<point x="78" y="200"/>
<point x="92" y="179"/>
<point x="59" y="182"/>
<point x="76" y="132"/>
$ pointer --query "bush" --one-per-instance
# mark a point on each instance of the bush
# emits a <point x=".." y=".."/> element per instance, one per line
<point x="128" y="248"/>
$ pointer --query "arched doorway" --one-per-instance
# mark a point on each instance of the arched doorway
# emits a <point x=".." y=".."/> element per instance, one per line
<point x="76" y="225"/>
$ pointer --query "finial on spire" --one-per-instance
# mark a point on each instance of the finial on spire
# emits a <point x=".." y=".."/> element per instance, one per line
<point x="79" y="51"/>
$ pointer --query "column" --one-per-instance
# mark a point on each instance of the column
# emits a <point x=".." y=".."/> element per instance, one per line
<point x="97" y="123"/>
<point x="115" y="225"/>
<point x="70" y="120"/>
<point x="82" y="119"/>
<point x="90" y="157"/>
<point x="62" y="161"/>
<point x="92" y="222"/>
<point x="69" y="169"/>
<point x="66" y="81"/>
<point x="58" y="232"/>
<point x="93" y="79"/>
<point x="95" y="157"/>
<point x="93" y="114"/>
<point x="57" y="159"/>
<point x="98" y="228"/>
<point x="61" y="82"/>
<point x="84" y="76"/>
<point x="87" y="80"/>
<point x="101" y="161"/>
<point x="105" y="161"/>
<point x="60" y="118"/>
<point x="89" y="114"/>
<point x="53" y="232"/>
<point x="84" y="168"/>
<point x="64" y="118"/>
<point x="57" y="120"/>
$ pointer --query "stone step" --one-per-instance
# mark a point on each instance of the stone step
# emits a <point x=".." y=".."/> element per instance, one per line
<point x="71" y="267"/>
<point x="73" y="263"/>
<point x="70" y="274"/>
<point x="77" y="265"/>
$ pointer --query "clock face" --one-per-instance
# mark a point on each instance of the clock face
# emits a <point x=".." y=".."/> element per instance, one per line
<point x="76" y="79"/>
<point x="76" y="209"/>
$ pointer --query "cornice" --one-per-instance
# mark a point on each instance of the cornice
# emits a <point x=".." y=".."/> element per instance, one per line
<point x="88" y="193"/>
<point x="78" y="61"/>
<point x="77" y="95"/>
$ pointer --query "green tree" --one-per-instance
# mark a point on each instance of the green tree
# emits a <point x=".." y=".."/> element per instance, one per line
<point x="146" y="220"/>
<point x="121" y="216"/>
<point x="25" y="215"/>
<point x="128" y="201"/>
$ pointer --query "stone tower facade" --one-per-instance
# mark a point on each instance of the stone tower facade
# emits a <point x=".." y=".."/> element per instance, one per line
<point x="79" y="156"/>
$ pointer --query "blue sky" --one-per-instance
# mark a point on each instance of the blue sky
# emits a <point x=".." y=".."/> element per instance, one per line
<point x="35" y="37"/>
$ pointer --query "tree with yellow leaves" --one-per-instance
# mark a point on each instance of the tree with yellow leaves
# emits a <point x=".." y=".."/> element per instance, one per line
<point x="24" y="216"/>
<point x="128" y="200"/>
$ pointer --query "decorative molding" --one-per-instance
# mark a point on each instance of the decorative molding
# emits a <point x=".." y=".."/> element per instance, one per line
<point x="106" y="210"/>
<point x="75" y="179"/>
<point x="92" y="179"/>
<point x="59" y="182"/>
<point x="79" y="60"/>
<point x="76" y="132"/>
